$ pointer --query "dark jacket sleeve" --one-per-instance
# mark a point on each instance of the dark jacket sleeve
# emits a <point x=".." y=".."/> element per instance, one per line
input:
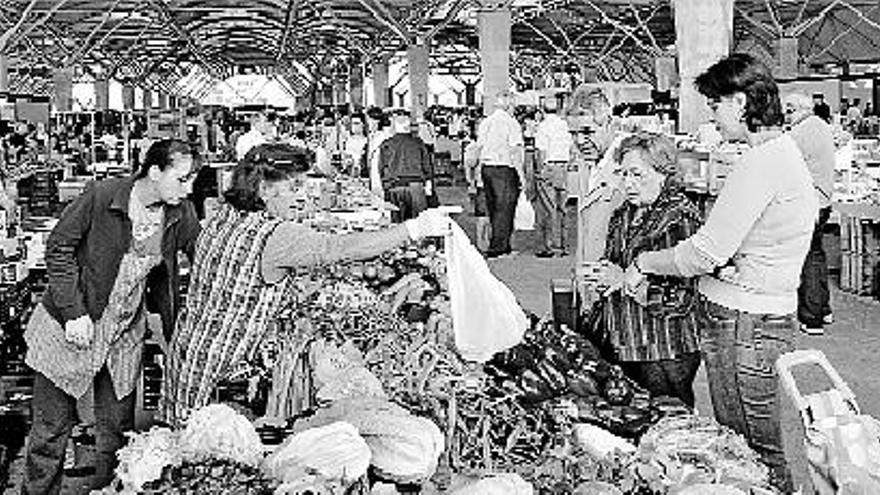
<point x="189" y="230"/>
<point x="61" y="262"/>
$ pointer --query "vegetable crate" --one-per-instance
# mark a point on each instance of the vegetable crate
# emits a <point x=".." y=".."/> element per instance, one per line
<point x="860" y="255"/>
<point x="842" y="445"/>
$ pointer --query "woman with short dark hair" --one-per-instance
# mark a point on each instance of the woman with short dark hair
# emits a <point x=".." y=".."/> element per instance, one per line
<point x="749" y="256"/>
<point x="654" y="339"/>
<point x="241" y="273"/>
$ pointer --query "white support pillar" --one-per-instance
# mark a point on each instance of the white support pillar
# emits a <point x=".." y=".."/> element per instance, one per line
<point x="380" y="82"/>
<point x="4" y="73"/>
<point x="704" y="34"/>
<point x="356" y="84"/>
<point x="128" y="97"/>
<point x="62" y="80"/>
<point x="787" y="63"/>
<point x="419" y="69"/>
<point x="102" y="92"/>
<point x="494" y="53"/>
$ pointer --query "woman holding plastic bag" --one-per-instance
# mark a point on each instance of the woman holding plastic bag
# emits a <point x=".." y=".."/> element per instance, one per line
<point x="242" y="271"/>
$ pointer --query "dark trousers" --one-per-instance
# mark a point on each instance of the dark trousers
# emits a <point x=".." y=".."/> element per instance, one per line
<point x="669" y="377"/>
<point x="410" y="201"/>
<point x="740" y="350"/>
<point x="54" y="415"/>
<point x="813" y="296"/>
<point x="502" y="192"/>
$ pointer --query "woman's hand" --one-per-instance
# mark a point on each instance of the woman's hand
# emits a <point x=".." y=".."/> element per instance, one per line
<point x="80" y="331"/>
<point x="636" y="284"/>
<point x="611" y="278"/>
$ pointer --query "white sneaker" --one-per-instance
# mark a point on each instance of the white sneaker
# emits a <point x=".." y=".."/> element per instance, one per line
<point x="828" y="319"/>
<point x="813" y="331"/>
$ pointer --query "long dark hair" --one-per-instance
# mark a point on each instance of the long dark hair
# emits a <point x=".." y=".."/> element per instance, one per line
<point x="743" y="73"/>
<point x="264" y="163"/>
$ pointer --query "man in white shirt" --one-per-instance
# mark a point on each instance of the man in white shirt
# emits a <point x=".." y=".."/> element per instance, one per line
<point x="553" y="144"/>
<point x="501" y="146"/>
<point x="254" y="137"/>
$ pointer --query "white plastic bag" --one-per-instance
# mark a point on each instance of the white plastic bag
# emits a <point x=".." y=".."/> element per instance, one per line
<point x="524" y="217"/>
<point x="485" y="315"/>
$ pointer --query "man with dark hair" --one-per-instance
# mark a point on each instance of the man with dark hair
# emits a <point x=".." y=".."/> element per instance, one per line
<point x="405" y="169"/>
<point x="820" y="108"/>
<point x="112" y="255"/>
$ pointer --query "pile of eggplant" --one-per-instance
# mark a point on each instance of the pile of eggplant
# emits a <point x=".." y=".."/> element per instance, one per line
<point x="555" y="363"/>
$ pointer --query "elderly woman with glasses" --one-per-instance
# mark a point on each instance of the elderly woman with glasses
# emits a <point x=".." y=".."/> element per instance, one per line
<point x="652" y="332"/>
<point x="748" y="255"/>
<point x="242" y="271"/>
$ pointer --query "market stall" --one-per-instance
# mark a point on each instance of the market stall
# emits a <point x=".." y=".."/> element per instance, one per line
<point x="362" y="387"/>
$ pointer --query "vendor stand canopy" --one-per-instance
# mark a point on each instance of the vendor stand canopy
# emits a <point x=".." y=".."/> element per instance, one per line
<point x="184" y="47"/>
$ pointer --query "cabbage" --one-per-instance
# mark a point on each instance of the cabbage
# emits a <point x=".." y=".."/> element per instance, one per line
<point x="145" y="456"/>
<point x="217" y="431"/>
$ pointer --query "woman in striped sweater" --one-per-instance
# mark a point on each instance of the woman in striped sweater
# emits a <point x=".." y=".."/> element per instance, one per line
<point x="241" y="275"/>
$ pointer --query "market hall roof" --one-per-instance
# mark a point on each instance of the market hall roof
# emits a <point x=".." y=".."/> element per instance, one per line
<point x="162" y="42"/>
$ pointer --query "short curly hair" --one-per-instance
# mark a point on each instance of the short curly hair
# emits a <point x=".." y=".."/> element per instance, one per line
<point x="658" y="150"/>
<point x="743" y="73"/>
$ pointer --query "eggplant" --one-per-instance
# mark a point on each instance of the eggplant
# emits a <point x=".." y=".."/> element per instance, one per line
<point x="555" y="378"/>
<point x="533" y="387"/>
<point x="582" y="384"/>
<point x="617" y="391"/>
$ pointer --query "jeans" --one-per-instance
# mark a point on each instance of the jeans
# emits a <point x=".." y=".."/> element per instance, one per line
<point x="54" y="415"/>
<point x="669" y="377"/>
<point x="740" y="350"/>
<point x="813" y="295"/>
<point x="550" y="205"/>
<point x="502" y="192"/>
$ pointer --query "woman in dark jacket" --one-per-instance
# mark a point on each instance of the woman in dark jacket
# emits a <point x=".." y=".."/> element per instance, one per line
<point x="114" y="247"/>
<point x="652" y="332"/>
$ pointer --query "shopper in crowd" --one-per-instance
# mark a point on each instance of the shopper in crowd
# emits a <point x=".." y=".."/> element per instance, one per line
<point x="257" y="135"/>
<point x="815" y="139"/>
<point x="405" y="169"/>
<point x="749" y="256"/>
<point x="500" y="141"/>
<point x="378" y="127"/>
<point x="115" y="247"/>
<point x="655" y="339"/>
<point x="473" y="175"/>
<point x="598" y="186"/>
<point x="553" y="146"/>
<point x="356" y="147"/>
<point x="820" y="108"/>
<point x="245" y="249"/>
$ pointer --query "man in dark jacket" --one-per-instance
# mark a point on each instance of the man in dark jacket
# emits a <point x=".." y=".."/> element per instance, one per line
<point x="405" y="169"/>
<point x="113" y="252"/>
